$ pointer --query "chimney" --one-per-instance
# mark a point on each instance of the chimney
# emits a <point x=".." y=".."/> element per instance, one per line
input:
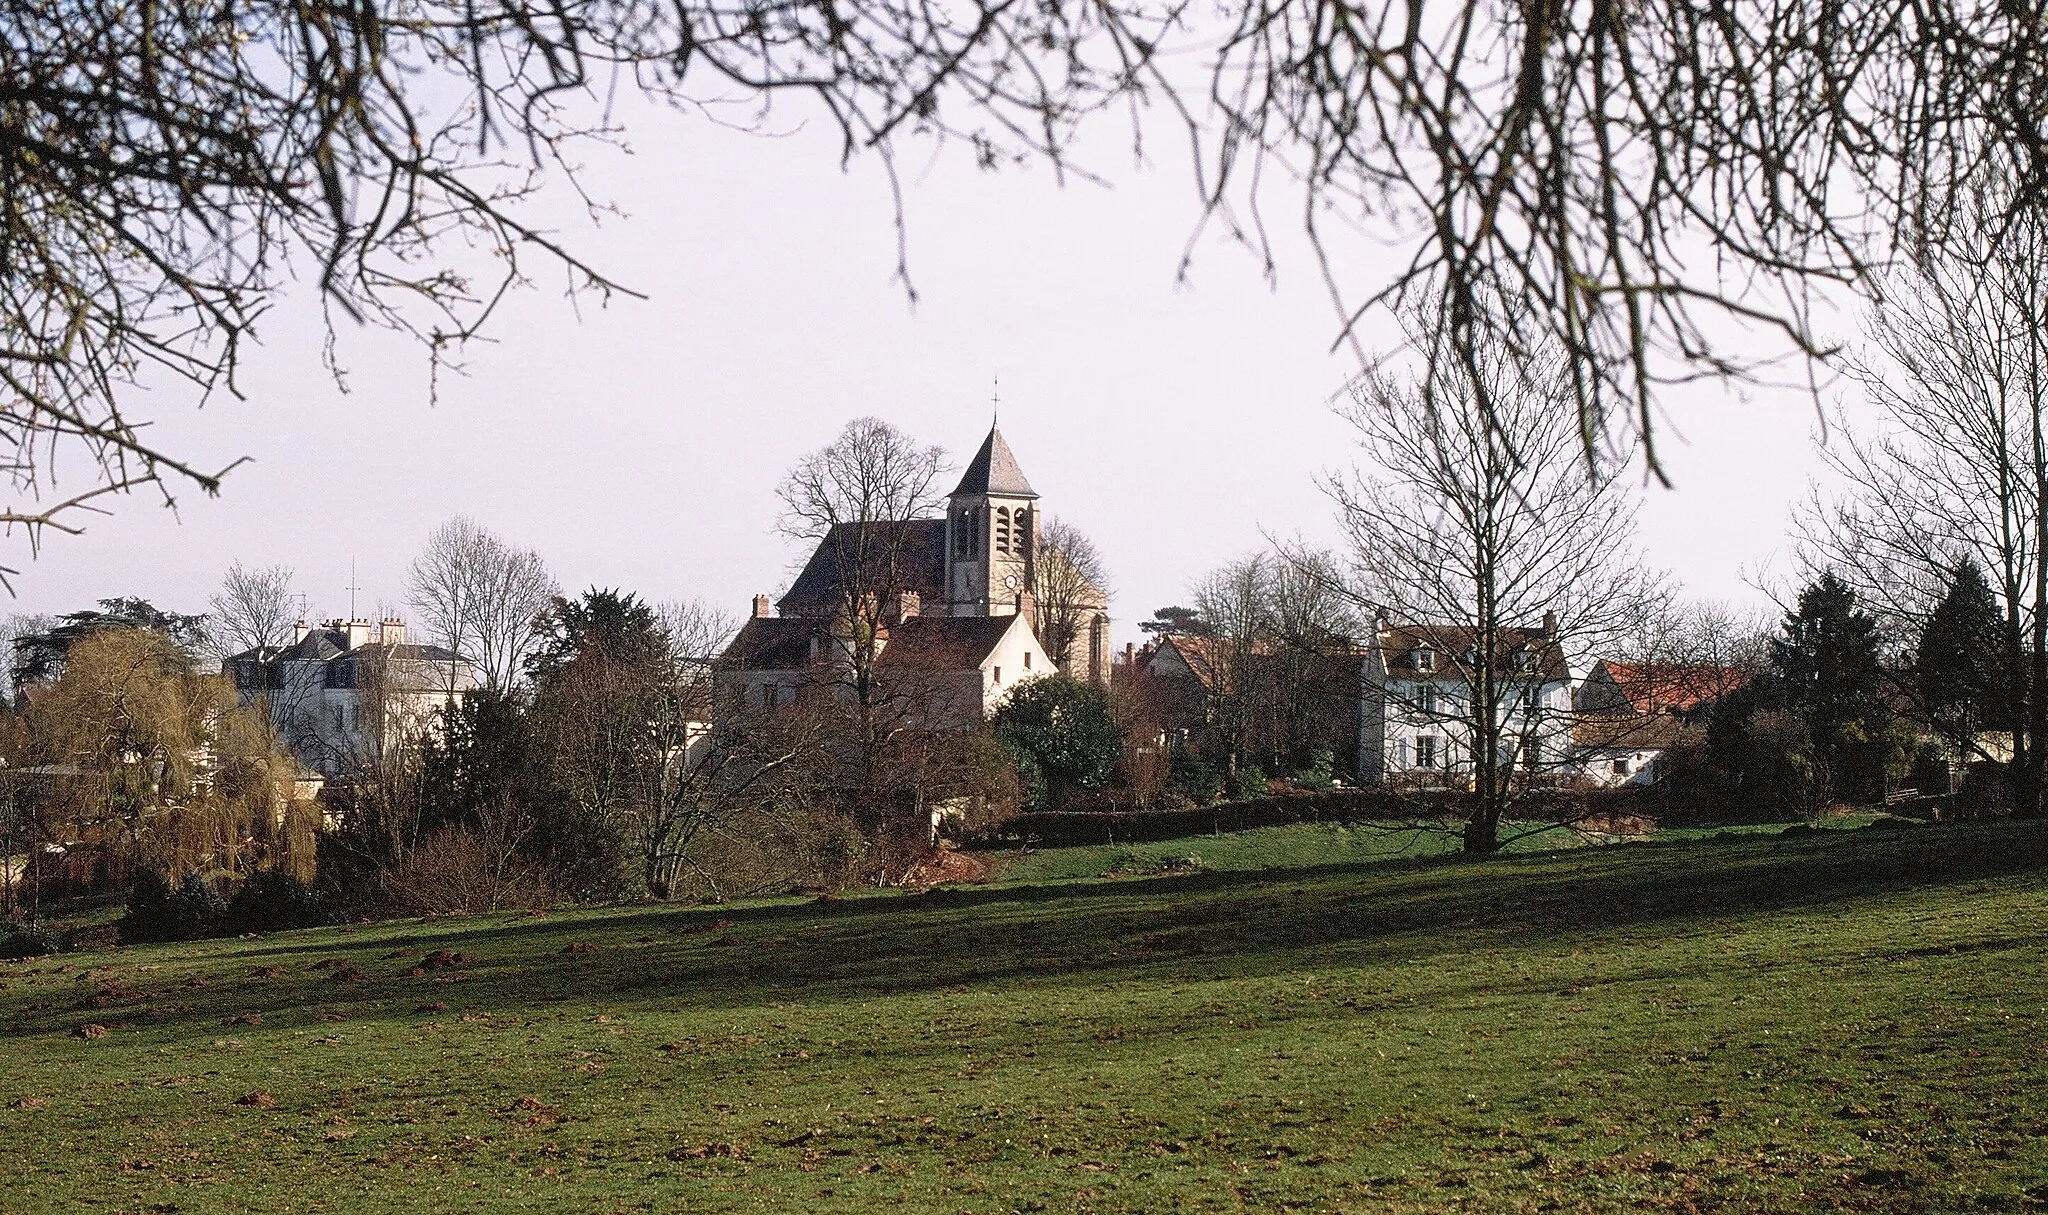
<point x="391" y="631"/>
<point x="761" y="609"/>
<point x="1550" y="622"/>
<point x="299" y="631"/>
<point x="904" y="606"/>
<point x="358" y="633"/>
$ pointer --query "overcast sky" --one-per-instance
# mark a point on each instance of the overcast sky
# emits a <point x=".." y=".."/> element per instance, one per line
<point x="638" y="445"/>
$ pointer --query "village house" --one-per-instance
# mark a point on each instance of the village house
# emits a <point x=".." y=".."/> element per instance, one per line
<point x="1415" y="697"/>
<point x="1632" y="719"/>
<point x="345" y="694"/>
<point x="957" y="620"/>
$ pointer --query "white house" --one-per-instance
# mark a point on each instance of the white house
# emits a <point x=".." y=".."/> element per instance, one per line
<point x="1415" y="696"/>
<point x="1633" y="717"/>
<point x="346" y="694"/>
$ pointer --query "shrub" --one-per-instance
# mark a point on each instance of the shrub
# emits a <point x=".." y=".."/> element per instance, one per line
<point x="457" y="869"/>
<point x="156" y="912"/>
<point x="1316" y="776"/>
<point x="19" y="940"/>
<point x="1065" y="729"/>
<point x="272" y="900"/>
<point x="1248" y="783"/>
<point x="1192" y="776"/>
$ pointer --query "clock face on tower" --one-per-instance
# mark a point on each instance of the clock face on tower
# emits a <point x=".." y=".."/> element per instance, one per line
<point x="1011" y="582"/>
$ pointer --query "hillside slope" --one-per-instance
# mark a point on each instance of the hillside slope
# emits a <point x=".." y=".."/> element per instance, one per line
<point x="1850" y="1021"/>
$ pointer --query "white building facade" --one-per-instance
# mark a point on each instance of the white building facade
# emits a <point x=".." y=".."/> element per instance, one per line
<point x="347" y="695"/>
<point x="1415" y="703"/>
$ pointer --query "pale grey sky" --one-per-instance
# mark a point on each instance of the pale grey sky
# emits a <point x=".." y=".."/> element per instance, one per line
<point x="638" y="445"/>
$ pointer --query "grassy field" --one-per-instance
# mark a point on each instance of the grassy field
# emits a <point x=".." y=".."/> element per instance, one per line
<point x="1842" y="1021"/>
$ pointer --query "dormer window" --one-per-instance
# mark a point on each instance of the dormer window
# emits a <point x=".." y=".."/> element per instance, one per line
<point x="1525" y="661"/>
<point x="1425" y="658"/>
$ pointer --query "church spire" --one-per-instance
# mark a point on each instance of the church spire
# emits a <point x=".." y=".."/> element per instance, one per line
<point x="994" y="470"/>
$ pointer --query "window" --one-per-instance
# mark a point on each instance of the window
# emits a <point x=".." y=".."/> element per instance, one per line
<point x="1023" y="532"/>
<point x="1027" y="660"/>
<point x="1425" y="700"/>
<point x="1532" y="699"/>
<point x="1525" y="660"/>
<point x="999" y="674"/>
<point x="1002" y="530"/>
<point x="1425" y="658"/>
<point x="1620" y="767"/>
<point x="1425" y="751"/>
<point x="1532" y="754"/>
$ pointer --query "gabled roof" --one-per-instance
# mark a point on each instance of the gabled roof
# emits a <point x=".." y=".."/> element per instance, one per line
<point x="771" y="643"/>
<point x="994" y="470"/>
<point x="319" y="645"/>
<point x="919" y="546"/>
<point x="1452" y="643"/>
<point x="1657" y="687"/>
<point x="944" y="643"/>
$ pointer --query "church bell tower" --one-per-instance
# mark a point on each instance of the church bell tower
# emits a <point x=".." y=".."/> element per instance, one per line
<point x="991" y="535"/>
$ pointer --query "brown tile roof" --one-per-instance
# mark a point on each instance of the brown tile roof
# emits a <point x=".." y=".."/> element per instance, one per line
<point x="942" y="643"/>
<point x="1451" y="643"/>
<point x="1657" y="687"/>
<point x="919" y="547"/>
<point x="1632" y="731"/>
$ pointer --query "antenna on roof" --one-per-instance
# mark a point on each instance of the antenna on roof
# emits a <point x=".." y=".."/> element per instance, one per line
<point x="352" y="588"/>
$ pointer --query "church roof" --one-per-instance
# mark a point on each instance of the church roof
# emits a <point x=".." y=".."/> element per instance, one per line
<point x="994" y="471"/>
<point x="919" y="555"/>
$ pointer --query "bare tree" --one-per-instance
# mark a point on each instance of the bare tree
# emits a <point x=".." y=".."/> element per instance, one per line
<point x="1951" y="461"/>
<point x="1070" y="587"/>
<point x="254" y="609"/>
<point x="479" y="596"/>
<point x="1479" y="535"/>
<point x="857" y="497"/>
<point x="1621" y="178"/>
<point x="1235" y="603"/>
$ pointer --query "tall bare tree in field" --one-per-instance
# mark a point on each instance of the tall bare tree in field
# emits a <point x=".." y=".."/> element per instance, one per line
<point x="1480" y="524"/>
<point x="1947" y="460"/>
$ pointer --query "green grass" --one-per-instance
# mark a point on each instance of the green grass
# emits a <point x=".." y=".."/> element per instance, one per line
<point x="1842" y="1021"/>
<point x="1298" y="846"/>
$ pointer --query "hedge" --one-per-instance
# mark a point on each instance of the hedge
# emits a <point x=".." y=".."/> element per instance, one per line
<point x="1057" y="828"/>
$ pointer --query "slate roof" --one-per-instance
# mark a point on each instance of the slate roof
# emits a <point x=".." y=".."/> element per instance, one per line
<point x="771" y="643"/>
<point x="994" y="470"/>
<point x="920" y="547"/>
<point x="943" y="643"/>
<point x="1400" y="642"/>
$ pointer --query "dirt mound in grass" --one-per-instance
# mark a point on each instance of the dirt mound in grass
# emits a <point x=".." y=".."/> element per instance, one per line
<point x="943" y="866"/>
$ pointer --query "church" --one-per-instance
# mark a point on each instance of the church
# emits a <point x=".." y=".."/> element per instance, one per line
<point x="956" y="601"/>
